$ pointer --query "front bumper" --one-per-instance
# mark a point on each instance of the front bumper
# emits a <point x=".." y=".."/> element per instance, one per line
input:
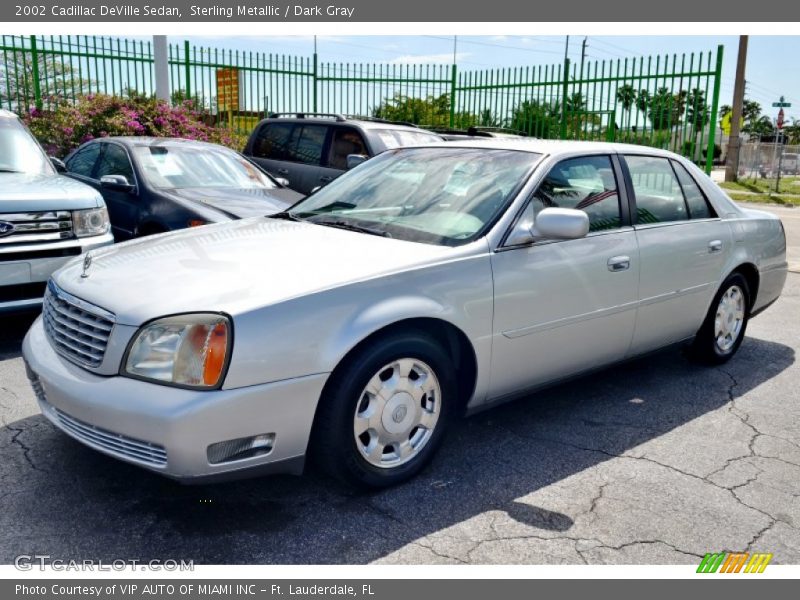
<point x="25" y="269"/>
<point x="168" y="430"/>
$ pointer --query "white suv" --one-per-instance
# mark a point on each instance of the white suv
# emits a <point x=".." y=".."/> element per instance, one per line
<point x="45" y="218"/>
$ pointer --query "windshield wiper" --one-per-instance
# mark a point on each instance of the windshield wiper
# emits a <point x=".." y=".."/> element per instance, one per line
<point x="349" y="225"/>
<point x="285" y="215"/>
<point x="4" y="170"/>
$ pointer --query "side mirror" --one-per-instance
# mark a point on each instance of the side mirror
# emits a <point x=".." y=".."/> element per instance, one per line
<point x="58" y="164"/>
<point x="282" y="181"/>
<point x="560" y="224"/>
<point x="353" y="160"/>
<point x="119" y="183"/>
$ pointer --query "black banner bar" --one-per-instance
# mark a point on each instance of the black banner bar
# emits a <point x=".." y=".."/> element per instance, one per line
<point x="407" y="11"/>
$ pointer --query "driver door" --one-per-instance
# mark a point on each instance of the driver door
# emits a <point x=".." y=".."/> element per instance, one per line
<point x="562" y="307"/>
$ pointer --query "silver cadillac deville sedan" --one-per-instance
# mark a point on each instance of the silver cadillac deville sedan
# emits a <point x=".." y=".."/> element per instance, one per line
<point x="423" y="284"/>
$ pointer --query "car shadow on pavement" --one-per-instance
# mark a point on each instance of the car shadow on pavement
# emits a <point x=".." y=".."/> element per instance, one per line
<point x="14" y="328"/>
<point x="59" y="498"/>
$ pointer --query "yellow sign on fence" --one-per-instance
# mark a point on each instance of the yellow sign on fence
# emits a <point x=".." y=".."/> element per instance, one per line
<point x="227" y="90"/>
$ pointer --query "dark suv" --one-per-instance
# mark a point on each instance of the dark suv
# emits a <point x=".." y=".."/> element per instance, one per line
<point x="311" y="149"/>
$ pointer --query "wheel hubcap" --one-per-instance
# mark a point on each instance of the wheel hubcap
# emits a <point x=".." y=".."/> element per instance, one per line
<point x="729" y="318"/>
<point x="397" y="413"/>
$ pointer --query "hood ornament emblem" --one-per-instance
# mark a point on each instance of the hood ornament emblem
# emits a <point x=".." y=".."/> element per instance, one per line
<point x="87" y="262"/>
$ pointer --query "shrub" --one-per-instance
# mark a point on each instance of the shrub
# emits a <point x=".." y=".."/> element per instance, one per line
<point x="97" y="115"/>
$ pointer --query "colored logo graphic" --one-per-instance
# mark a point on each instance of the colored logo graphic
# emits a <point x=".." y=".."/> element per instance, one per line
<point x="734" y="562"/>
<point x="6" y="228"/>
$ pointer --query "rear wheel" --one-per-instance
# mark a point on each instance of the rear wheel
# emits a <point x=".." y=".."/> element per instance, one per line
<point x="723" y="330"/>
<point x="384" y="412"/>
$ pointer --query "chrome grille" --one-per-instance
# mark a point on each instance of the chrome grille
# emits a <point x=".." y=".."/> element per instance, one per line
<point x="78" y="330"/>
<point x="45" y="226"/>
<point x="115" y="443"/>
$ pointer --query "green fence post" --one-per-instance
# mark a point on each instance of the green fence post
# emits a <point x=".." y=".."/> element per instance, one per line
<point x="564" y="96"/>
<point x="37" y="88"/>
<point x="187" y="69"/>
<point x="314" y="75"/>
<point x="453" y="97"/>
<point x="712" y="124"/>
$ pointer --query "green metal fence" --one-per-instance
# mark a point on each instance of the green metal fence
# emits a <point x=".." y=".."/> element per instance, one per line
<point x="667" y="101"/>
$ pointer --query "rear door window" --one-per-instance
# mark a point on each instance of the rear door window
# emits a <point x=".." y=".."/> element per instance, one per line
<point x="273" y="141"/>
<point x="659" y="196"/>
<point x="308" y="147"/>
<point x="699" y="207"/>
<point x="83" y="161"/>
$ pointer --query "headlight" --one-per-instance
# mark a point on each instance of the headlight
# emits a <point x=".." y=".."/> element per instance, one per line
<point x="93" y="221"/>
<point x="186" y="350"/>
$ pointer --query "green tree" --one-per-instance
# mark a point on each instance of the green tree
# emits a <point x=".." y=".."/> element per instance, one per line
<point x="697" y="111"/>
<point x="58" y="81"/>
<point x="540" y="119"/>
<point x="626" y="96"/>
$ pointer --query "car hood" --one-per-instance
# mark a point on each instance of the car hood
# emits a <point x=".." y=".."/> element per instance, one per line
<point x="234" y="267"/>
<point x="240" y="203"/>
<point x="23" y="192"/>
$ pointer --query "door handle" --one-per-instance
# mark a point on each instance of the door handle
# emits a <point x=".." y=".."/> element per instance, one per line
<point x="326" y="179"/>
<point x="715" y="246"/>
<point x="283" y="171"/>
<point x="619" y="263"/>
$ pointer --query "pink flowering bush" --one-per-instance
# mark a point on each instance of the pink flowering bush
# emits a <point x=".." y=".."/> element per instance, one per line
<point x="69" y="125"/>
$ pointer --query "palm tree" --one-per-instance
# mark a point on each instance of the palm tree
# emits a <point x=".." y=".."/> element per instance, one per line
<point x="626" y="96"/>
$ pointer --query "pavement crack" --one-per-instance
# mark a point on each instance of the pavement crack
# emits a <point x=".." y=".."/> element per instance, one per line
<point x="18" y="431"/>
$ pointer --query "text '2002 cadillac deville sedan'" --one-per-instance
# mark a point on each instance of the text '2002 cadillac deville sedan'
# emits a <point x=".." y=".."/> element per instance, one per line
<point x="424" y="283"/>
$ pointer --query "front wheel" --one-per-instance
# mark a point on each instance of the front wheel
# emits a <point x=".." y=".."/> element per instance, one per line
<point x="723" y="330"/>
<point x="384" y="412"/>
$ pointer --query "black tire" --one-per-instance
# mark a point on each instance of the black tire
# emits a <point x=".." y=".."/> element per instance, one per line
<point x="333" y="445"/>
<point x="706" y="349"/>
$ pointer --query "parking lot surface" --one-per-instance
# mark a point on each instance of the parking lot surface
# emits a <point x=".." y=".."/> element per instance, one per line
<point x="654" y="461"/>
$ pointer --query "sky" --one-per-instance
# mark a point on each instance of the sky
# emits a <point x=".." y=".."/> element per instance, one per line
<point x="773" y="62"/>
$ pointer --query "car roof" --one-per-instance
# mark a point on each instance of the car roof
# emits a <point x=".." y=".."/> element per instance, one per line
<point x="551" y="146"/>
<point x="335" y="118"/>
<point x="137" y="140"/>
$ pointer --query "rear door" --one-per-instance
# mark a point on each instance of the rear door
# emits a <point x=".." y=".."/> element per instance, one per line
<point x="683" y="246"/>
<point x="292" y="150"/>
<point x="270" y="149"/>
<point x="308" y="153"/>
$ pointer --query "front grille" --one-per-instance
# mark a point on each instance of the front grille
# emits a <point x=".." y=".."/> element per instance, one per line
<point x="44" y="226"/>
<point x="115" y="443"/>
<point x="78" y="330"/>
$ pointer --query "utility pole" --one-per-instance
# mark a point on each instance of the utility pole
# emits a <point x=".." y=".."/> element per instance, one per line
<point x="583" y="54"/>
<point x="161" y="67"/>
<point x="732" y="160"/>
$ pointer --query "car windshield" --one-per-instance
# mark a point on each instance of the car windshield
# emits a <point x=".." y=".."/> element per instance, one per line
<point x="173" y="166"/>
<point x="444" y="196"/>
<point x="19" y="151"/>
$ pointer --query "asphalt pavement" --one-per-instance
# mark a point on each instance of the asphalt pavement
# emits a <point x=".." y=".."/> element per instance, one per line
<point x="655" y="461"/>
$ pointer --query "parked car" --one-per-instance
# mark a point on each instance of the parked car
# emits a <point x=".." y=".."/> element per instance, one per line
<point x="45" y="218"/>
<point x="152" y="185"/>
<point x="424" y="283"/>
<point x="312" y="149"/>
